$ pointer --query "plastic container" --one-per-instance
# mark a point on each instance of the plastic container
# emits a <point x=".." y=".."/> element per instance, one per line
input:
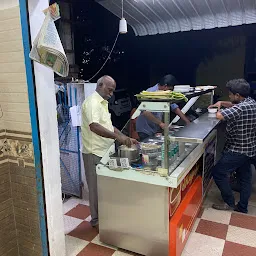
<point x="212" y="110"/>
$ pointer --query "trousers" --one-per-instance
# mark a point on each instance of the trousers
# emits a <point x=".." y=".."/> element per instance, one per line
<point x="90" y="163"/>
<point x="229" y="163"/>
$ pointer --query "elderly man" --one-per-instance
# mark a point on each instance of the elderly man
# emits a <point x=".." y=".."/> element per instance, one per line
<point x="98" y="134"/>
<point x="148" y="124"/>
<point x="240" y="148"/>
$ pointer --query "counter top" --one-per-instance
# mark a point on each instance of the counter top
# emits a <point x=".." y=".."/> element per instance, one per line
<point x="198" y="130"/>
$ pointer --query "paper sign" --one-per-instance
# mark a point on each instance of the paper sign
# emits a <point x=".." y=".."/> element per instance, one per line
<point x="112" y="164"/>
<point x="124" y="163"/>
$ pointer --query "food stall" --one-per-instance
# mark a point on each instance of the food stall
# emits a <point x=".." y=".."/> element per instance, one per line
<point x="149" y="198"/>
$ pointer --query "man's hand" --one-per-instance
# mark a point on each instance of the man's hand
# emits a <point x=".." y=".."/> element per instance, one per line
<point x="219" y="116"/>
<point x="216" y="105"/>
<point x="134" y="141"/>
<point x="163" y="125"/>
<point x="124" y="140"/>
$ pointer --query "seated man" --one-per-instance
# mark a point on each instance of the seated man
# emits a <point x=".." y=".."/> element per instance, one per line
<point x="240" y="148"/>
<point x="148" y="124"/>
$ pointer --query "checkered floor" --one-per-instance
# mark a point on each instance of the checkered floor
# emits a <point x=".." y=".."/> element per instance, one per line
<point x="215" y="233"/>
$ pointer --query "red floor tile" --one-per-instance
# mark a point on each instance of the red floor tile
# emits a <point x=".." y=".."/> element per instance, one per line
<point x="80" y="212"/>
<point x="233" y="249"/>
<point x="211" y="228"/>
<point x="84" y="231"/>
<point x="96" y="250"/>
<point x="243" y="221"/>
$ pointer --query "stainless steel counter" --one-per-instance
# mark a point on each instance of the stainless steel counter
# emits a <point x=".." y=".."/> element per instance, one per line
<point x="198" y="130"/>
<point x="129" y="200"/>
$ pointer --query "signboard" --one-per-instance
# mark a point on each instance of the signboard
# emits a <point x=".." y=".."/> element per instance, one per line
<point x="175" y="199"/>
<point x="177" y="194"/>
<point x="190" y="177"/>
<point x="182" y="221"/>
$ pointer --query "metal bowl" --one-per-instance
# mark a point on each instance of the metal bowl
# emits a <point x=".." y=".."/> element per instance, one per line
<point x="150" y="149"/>
<point x="131" y="153"/>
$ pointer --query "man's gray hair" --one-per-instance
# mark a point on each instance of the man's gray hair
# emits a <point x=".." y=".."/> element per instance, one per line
<point x="100" y="81"/>
<point x="103" y="79"/>
<point x="239" y="86"/>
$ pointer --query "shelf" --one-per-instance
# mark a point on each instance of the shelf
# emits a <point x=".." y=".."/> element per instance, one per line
<point x="189" y="95"/>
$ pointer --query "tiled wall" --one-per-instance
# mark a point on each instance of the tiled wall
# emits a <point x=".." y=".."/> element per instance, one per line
<point x="8" y="233"/>
<point x="13" y="85"/>
<point x="18" y="200"/>
<point x="19" y="218"/>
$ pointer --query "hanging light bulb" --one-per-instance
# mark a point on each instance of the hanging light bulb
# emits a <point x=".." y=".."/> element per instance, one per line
<point x="123" y="22"/>
<point x="123" y="26"/>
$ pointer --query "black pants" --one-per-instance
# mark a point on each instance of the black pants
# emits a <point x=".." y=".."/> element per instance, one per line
<point x="143" y="136"/>
<point x="229" y="163"/>
<point x="235" y="179"/>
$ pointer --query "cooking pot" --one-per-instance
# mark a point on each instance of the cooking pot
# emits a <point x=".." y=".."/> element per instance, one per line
<point x="131" y="153"/>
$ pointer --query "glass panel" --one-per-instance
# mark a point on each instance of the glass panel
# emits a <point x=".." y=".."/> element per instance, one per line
<point x="148" y="155"/>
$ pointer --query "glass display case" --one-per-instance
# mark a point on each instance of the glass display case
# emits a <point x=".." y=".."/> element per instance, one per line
<point x="166" y="175"/>
<point x="162" y="153"/>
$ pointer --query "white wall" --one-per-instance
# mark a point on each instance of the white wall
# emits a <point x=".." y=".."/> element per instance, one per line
<point x="44" y="79"/>
<point x="5" y="4"/>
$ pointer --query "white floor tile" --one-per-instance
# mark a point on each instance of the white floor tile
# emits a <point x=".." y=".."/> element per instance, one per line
<point x="70" y="223"/>
<point x="89" y="218"/>
<point x="74" y="245"/>
<point x="201" y="245"/>
<point x="216" y="216"/>
<point x="241" y="236"/>
<point x="84" y="202"/>
<point x="97" y="241"/>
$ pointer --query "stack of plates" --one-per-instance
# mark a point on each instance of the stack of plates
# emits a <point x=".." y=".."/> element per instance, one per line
<point x="181" y="88"/>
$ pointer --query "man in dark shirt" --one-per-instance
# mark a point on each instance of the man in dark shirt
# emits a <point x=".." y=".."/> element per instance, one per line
<point x="148" y="124"/>
<point x="240" y="148"/>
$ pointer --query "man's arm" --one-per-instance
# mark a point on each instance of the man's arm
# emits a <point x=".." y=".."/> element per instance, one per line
<point x="227" y="104"/>
<point x="178" y="112"/>
<point x="153" y="119"/>
<point x="125" y="140"/>
<point x="117" y="132"/>
<point x="92" y="116"/>
<point x="229" y="114"/>
<point x="102" y="131"/>
<point x="116" y="135"/>
<point x="219" y="104"/>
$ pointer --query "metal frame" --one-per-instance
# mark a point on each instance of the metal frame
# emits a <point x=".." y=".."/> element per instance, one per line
<point x="212" y="136"/>
<point x="34" y="125"/>
<point x="63" y="150"/>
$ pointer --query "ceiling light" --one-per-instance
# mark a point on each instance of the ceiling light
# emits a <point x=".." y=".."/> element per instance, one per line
<point x="123" y="22"/>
